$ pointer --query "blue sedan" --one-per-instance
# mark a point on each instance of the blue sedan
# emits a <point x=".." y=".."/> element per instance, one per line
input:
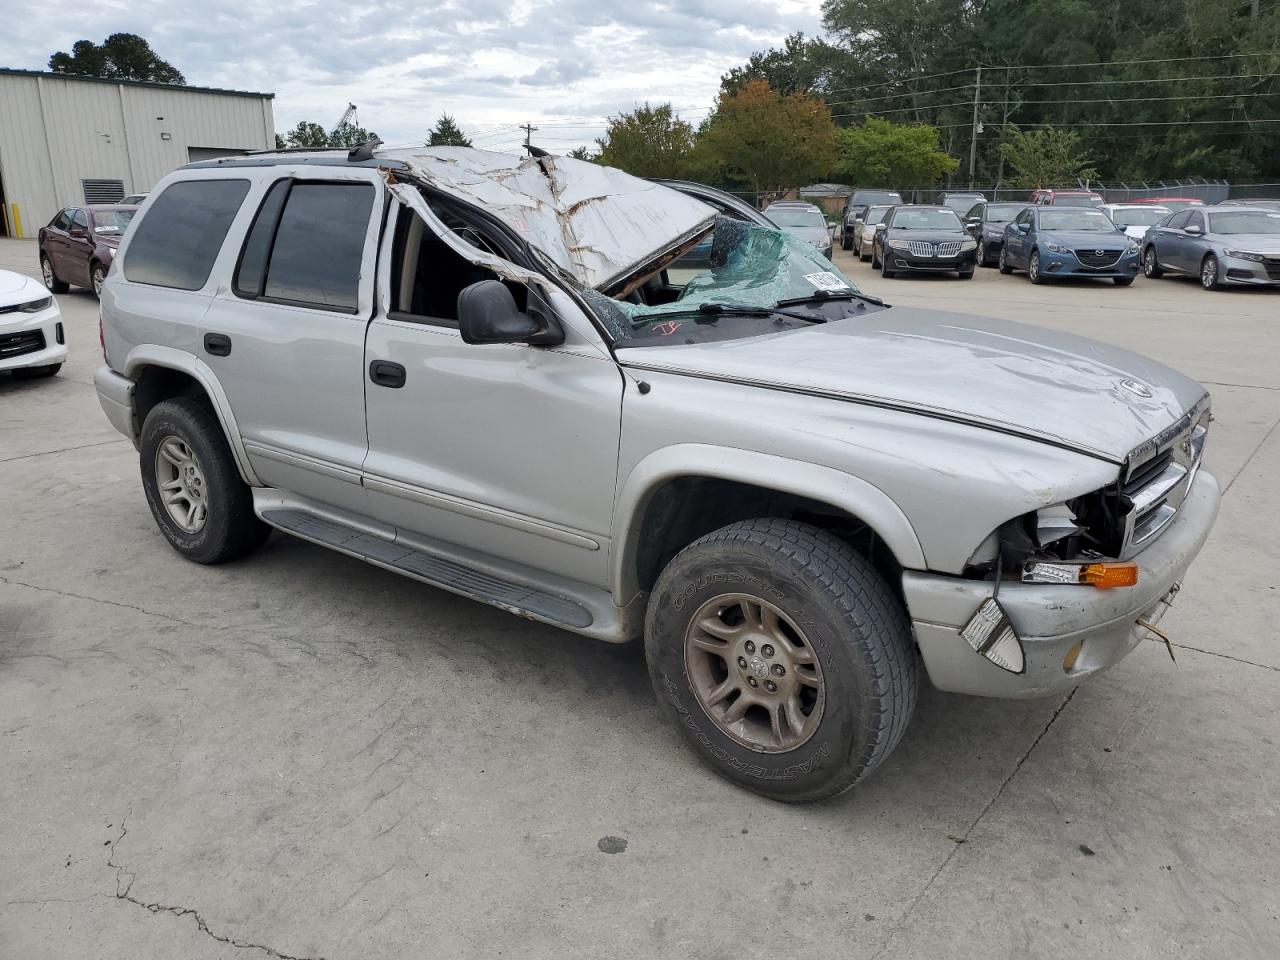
<point x="1050" y="242"/>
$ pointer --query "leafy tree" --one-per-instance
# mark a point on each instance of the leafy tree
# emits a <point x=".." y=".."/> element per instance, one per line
<point x="803" y="65"/>
<point x="122" y="56"/>
<point x="1046" y="157"/>
<point x="881" y="153"/>
<point x="446" y="133"/>
<point x="582" y="153"/>
<point x="767" y="141"/>
<point x="648" y="142"/>
<point x="310" y="135"/>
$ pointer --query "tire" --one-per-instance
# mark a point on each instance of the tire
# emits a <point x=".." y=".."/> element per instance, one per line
<point x="845" y="242"/>
<point x="847" y="617"/>
<point x="965" y="274"/>
<point x="1209" y="273"/>
<point x="884" y="269"/>
<point x="97" y="277"/>
<point x="1150" y="266"/>
<point x="1003" y="262"/>
<point x="875" y="259"/>
<point x="228" y="528"/>
<point x="1122" y="281"/>
<point x="50" y="279"/>
<point x="1033" y="268"/>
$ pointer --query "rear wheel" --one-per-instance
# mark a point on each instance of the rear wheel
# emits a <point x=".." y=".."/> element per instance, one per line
<point x="52" y="282"/>
<point x="193" y="487"/>
<point x="97" y="277"/>
<point x="1151" y="266"/>
<point x="1004" y="262"/>
<point x="1209" y="273"/>
<point x="785" y="659"/>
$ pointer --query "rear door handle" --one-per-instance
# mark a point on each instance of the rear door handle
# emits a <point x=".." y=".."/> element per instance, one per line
<point x="217" y="344"/>
<point x="387" y="374"/>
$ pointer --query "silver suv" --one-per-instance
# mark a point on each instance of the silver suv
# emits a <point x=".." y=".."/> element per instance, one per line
<point x="510" y="378"/>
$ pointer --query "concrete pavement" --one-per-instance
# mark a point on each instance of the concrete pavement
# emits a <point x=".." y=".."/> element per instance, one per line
<point x="299" y="755"/>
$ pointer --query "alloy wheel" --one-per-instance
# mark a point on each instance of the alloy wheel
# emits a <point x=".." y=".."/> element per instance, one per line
<point x="181" y="483"/>
<point x="98" y="280"/>
<point x="46" y="272"/>
<point x="754" y="673"/>
<point x="1033" y="267"/>
<point x="1209" y="273"/>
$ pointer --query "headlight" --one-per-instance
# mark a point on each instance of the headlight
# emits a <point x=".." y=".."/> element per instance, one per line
<point x="1056" y="247"/>
<point x="897" y="244"/>
<point x="969" y="245"/>
<point x="1244" y="255"/>
<point x="35" y="306"/>
<point x="1132" y="247"/>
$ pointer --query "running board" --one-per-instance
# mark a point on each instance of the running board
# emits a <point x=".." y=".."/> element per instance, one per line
<point x="434" y="569"/>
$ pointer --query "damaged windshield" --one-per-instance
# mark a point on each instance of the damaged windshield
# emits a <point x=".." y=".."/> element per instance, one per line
<point x="740" y="274"/>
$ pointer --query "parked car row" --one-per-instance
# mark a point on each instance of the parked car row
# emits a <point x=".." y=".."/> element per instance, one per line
<point x="77" y="246"/>
<point x="1230" y="243"/>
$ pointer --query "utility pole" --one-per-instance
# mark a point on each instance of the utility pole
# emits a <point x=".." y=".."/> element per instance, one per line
<point x="973" y="134"/>
<point x="528" y="129"/>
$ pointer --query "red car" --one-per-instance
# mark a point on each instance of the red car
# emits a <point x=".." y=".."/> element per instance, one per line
<point x="1067" y="198"/>
<point x="79" y="243"/>
<point x="1173" y="203"/>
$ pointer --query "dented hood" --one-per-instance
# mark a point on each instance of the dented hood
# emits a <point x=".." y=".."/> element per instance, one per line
<point x="596" y="223"/>
<point x="1055" y="387"/>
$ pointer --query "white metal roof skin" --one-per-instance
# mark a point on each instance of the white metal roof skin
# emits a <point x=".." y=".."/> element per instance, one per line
<point x="595" y="222"/>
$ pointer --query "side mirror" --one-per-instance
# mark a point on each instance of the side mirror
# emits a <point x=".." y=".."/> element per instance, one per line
<point x="487" y="313"/>
<point x="1193" y="229"/>
<point x="881" y="227"/>
<point x="1022" y="227"/>
<point x="80" y="232"/>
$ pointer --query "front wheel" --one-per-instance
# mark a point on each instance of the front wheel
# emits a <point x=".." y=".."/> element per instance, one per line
<point x="1033" y="268"/>
<point x="984" y="256"/>
<point x="1209" y="273"/>
<point x="97" y="277"/>
<point x="193" y="488"/>
<point x="965" y="274"/>
<point x="845" y="242"/>
<point x="1150" y="265"/>
<point x="884" y="267"/>
<point x="1003" y="262"/>
<point x="1122" y="281"/>
<point x="875" y="259"/>
<point x="783" y="656"/>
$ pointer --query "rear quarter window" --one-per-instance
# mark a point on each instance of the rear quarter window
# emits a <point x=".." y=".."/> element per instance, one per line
<point x="176" y="242"/>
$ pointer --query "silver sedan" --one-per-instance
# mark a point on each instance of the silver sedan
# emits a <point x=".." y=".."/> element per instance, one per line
<point x="1221" y="245"/>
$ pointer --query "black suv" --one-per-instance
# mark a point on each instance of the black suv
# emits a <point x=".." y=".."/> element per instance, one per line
<point x="916" y="237"/>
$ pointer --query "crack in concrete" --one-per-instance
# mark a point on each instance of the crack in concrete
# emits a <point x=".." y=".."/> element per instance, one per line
<point x="180" y="911"/>
<point x="114" y="603"/>
<point x="1225" y="656"/>
<point x="964" y="837"/>
<point x="1245" y="466"/>
<point x="47" y="453"/>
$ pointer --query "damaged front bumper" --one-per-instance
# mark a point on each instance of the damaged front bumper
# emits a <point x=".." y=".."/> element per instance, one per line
<point x="1050" y="620"/>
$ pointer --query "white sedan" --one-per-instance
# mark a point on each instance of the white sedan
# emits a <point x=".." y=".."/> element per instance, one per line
<point x="32" y="341"/>
<point x="1135" y="218"/>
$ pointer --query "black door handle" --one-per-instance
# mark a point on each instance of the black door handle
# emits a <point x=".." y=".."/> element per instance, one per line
<point x="217" y="344"/>
<point x="386" y="374"/>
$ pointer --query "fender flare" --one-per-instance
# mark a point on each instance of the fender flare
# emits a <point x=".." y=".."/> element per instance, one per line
<point x="154" y="355"/>
<point x="827" y="485"/>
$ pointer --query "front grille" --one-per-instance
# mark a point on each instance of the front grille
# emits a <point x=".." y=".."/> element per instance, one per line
<point x="920" y="248"/>
<point x="1099" y="259"/>
<point x="1273" y="267"/>
<point x="1159" y="475"/>
<point x="16" y="344"/>
<point x="949" y="248"/>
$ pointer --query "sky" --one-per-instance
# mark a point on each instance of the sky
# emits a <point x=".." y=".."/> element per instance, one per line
<point x="564" y="65"/>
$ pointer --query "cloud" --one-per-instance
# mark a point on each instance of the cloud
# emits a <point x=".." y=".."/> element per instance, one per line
<point x="489" y="63"/>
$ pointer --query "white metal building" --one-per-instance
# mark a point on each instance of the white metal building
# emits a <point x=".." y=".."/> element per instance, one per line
<point x="67" y="140"/>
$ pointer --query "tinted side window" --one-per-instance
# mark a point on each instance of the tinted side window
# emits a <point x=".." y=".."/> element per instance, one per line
<point x="79" y="219"/>
<point x="62" y="221"/>
<point x="1179" y="220"/>
<point x="319" y="243"/>
<point x="176" y="242"/>
<point x="1196" y="220"/>
<point x="251" y="271"/>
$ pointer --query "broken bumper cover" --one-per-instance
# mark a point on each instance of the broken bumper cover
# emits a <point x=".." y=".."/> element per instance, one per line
<point x="1051" y="619"/>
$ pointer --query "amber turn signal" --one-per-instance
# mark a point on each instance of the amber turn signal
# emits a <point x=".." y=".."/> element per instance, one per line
<point x="1104" y="576"/>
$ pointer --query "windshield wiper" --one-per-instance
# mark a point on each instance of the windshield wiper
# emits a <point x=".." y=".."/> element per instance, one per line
<point x="709" y="312"/>
<point x="822" y="296"/>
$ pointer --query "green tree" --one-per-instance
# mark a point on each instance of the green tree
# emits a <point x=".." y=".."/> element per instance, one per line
<point x="766" y="141"/>
<point x="1046" y="157"/>
<point x="446" y="133"/>
<point x="881" y="153"/>
<point x="582" y="153"/>
<point x="122" y="56"/>
<point x="311" y="136"/>
<point x="648" y="142"/>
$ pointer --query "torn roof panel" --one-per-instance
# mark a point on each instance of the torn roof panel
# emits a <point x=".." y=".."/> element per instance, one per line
<point x="597" y="223"/>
